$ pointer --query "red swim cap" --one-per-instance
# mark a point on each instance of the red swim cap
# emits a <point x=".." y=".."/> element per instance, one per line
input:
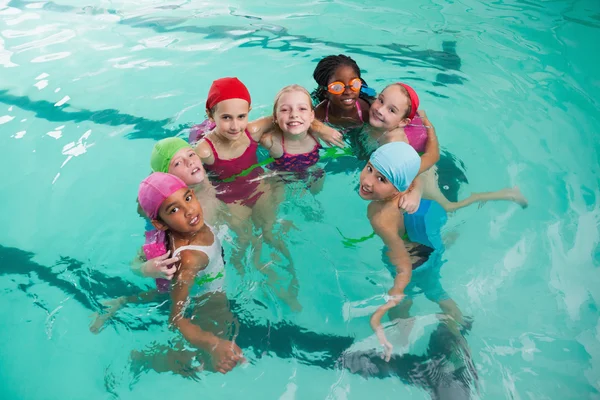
<point x="414" y="99"/>
<point x="225" y="89"/>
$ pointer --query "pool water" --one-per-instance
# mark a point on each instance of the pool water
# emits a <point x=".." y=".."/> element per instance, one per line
<point x="87" y="87"/>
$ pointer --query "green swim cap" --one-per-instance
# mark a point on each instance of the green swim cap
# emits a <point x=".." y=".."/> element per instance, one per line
<point x="163" y="151"/>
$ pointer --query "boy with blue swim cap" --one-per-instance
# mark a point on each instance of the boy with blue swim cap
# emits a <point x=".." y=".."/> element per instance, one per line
<point x="413" y="241"/>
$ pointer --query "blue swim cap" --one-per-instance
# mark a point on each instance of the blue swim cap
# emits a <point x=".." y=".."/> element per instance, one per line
<point x="398" y="162"/>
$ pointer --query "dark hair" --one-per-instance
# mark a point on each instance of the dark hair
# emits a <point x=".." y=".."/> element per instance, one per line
<point x="325" y="70"/>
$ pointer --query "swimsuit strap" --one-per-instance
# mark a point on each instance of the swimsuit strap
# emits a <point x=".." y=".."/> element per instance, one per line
<point x="249" y="137"/>
<point x="359" y="110"/>
<point x="317" y="144"/>
<point x="204" y="249"/>
<point x="212" y="147"/>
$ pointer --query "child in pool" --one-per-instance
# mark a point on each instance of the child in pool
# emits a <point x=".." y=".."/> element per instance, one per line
<point x="393" y="110"/>
<point x="228" y="150"/>
<point x="341" y="102"/>
<point x="173" y="208"/>
<point x="414" y="244"/>
<point x="294" y="149"/>
<point x="175" y="156"/>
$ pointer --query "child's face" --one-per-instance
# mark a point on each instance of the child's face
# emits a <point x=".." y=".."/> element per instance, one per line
<point x="374" y="186"/>
<point x="346" y="100"/>
<point x="389" y="109"/>
<point x="181" y="212"/>
<point x="294" y="113"/>
<point x="186" y="165"/>
<point x="231" y="118"/>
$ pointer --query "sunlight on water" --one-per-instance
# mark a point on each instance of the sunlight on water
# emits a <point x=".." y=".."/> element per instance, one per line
<point x="88" y="87"/>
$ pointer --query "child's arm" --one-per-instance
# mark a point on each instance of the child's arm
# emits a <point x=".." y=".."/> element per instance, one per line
<point x="225" y="355"/>
<point x="260" y="126"/>
<point x="326" y="133"/>
<point x="432" y="147"/>
<point x="387" y="226"/>
<point x="411" y="200"/>
<point x="272" y="142"/>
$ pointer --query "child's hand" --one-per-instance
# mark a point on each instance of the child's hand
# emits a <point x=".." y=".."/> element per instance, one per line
<point x="410" y="201"/>
<point x="225" y="356"/>
<point x="395" y="296"/>
<point x="422" y="114"/>
<point x="331" y="137"/>
<point x="387" y="346"/>
<point x="160" y="267"/>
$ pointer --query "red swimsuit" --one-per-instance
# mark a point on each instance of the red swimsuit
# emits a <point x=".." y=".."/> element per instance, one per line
<point x="241" y="189"/>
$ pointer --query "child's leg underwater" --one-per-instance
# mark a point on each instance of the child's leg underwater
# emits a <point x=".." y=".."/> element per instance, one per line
<point x="114" y="305"/>
<point x="239" y="221"/>
<point x="431" y="191"/>
<point x="265" y="215"/>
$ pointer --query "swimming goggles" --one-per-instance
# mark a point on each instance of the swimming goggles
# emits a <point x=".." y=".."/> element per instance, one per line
<point x="339" y="87"/>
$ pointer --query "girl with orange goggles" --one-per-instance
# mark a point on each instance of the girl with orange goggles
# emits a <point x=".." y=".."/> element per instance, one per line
<point x="339" y="87"/>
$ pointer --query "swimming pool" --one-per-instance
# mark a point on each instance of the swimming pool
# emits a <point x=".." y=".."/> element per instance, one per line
<point x="88" y="87"/>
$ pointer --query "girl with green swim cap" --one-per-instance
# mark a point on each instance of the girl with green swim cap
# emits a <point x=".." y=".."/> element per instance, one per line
<point x="175" y="156"/>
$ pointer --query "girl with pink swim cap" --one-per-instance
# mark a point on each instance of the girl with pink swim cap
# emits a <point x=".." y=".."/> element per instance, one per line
<point x="395" y="108"/>
<point x="174" y="209"/>
<point x="175" y="156"/>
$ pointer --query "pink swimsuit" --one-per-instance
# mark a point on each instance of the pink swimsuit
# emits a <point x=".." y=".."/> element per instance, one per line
<point x="295" y="162"/>
<point x="360" y="116"/>
<point x="416" y="134"/>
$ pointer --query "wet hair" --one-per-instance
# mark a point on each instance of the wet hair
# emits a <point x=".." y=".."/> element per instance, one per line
<point x="325" y="70"/>
<point x="287" y="89"/>
<point x="405" y="92"/>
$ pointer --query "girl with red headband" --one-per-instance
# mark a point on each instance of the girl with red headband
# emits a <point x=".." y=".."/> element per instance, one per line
<point x="393" y="110"/>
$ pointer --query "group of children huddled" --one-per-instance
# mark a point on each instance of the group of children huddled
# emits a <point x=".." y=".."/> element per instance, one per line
<point x="216" y="178"/>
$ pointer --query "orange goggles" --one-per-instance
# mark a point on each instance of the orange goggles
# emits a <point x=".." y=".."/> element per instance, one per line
<point x="339" y="87"/>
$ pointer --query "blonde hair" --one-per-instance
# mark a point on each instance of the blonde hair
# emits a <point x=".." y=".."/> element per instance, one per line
<point x="290" y="88"/>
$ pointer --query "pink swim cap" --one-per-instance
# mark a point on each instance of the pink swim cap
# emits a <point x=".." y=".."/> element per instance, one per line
<point x="155" y="189"/>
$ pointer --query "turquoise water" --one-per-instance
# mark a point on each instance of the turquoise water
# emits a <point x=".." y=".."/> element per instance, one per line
<point x="88" y="87"/>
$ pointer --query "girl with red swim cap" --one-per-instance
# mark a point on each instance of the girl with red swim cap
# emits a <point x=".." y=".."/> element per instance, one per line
<point x="228" y="150"/>
<point x="389" y="115"/>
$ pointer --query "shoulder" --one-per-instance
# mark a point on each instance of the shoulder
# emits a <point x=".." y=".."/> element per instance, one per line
<point x="257" y="128"/>
<point x="254" y="129"/>
<point x="385" y="217"/>
<point x="320" y="110"/>
<point x="203" y="149"/>
<point x="272" y="142"/>
<point x="192" y="261"/>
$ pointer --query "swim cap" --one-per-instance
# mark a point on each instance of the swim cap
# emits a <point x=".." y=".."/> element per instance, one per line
<point x="414" y="99"/>
<point x="225" y="89"/>
<point x="155" y="189"/>
<point x="398" y="162"/>
<point x="163" y="152"/>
